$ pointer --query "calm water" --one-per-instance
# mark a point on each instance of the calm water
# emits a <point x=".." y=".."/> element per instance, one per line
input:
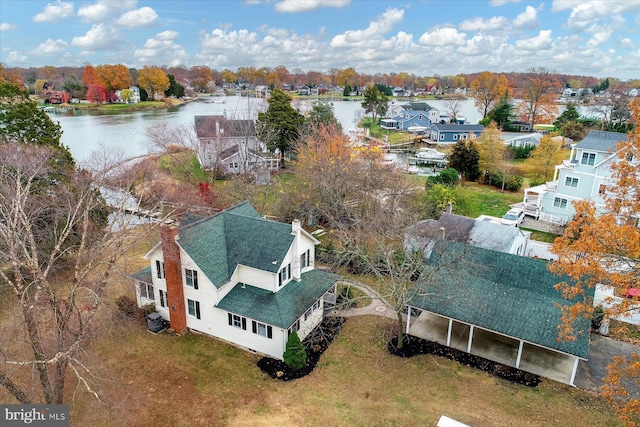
<point x="87" y="131"/>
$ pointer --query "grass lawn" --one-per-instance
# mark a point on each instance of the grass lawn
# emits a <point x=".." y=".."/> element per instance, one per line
<point x="194" y="380"/>
<point x="486" y="200"/>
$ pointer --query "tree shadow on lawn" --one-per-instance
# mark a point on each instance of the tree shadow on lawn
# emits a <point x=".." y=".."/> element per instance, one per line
<point x="414" y="346"/>
<point x="315" y="344"/>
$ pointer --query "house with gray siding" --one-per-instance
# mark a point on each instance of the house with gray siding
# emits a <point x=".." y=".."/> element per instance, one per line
<point x="585" y="176"/>
<point x="450" y="133"/>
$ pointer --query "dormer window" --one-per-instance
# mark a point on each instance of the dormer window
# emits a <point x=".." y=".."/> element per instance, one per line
<point x="284" y="274"/>
<point x="588" y="159"/>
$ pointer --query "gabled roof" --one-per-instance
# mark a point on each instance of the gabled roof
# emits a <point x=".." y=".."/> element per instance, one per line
<point x="143" y="275"/>
<point x="504" y="293"/>
<point x="232" y="151"/>
<point x="220" y="126"/>
<point x="598" y="140"/>
<point x="452" y="127"/>
<point x="280" y="308"/>
<point x="417" y="106"/>
<point x="239" y="235"/>
<point x="462" y="229"/>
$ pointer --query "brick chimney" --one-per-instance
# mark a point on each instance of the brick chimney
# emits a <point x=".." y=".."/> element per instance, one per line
<point x="173" y="278"/>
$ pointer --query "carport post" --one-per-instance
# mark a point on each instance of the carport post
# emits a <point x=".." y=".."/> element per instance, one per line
<point x="573" y="373"/>
<point x="470" y="339"/>
<point x="519" y="354"/>
<point x="408" y="319"/>
<point x="449" y="332"/>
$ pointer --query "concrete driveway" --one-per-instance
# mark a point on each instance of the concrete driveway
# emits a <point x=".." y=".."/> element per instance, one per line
<point x="590" y="374"/>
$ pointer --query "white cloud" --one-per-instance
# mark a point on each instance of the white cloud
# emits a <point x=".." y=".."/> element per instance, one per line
<point x="445" y="36"/>
<point x="50" y="47"/>
<point x="379" y="26"/>
<point x="5" y="26"/>
<point x="584" y="13"/>
<point x="54" y="12"/>
<point x="527" y="19"/>
<point x="275" y="32"/>
<point x="221" y="39"/>
<point x="626" y="43"/>
<point x="294" y="6"/>
<point x="104" y="10"/>
<point x="598" y="38"/>
<point x="480" y="44"/>
<point x="482" y="24"/>
<point x="162" y="49"/>
<point x="15" y="57"/>
<point x="99" y="37"/>
<point x="138" y="18"/>
<point x="542" y="41"/>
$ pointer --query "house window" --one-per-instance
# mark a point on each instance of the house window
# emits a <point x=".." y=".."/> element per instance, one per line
<point x="146" y="290"/>
<point x="588" y="158"/>
<point x="163" y="298"/>
<point x="159" y="269"/>
<point x="261" y="329"/>
<point x="455" y="137"/>
<point x="560" y="203"/>
<point x="442" y="136"/>
<point x="191" y="278"/>
<point x="233" y="165"/>
<point x="602" y="189"/>
<point x="284" y="274"/>
<point x="305" y="259"/>
<point x="571" y="182"/>
<point x="238" y="321"/>
<point x="316" y="305"/>
<point x="295" y="327"/>
<point x="193" y="308"/>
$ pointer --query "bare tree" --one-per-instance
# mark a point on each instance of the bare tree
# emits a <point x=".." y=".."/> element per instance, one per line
<point x="58" y="253"/>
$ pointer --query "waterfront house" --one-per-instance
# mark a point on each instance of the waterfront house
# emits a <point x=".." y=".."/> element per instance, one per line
<point x="238" y="277"/>
<point x="448" y="133"/>
<point x="584" y="176"/>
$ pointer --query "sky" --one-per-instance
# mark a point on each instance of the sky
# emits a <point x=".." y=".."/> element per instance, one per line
<point x="425" y="38"/>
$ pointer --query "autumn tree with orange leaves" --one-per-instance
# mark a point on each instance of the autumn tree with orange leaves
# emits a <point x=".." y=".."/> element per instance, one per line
<point x="89" y="76"/>
<point x="113" y="77"/>
<point x="153" y="80"/>
<point x="601" y="245"/>
<point x="538" y="97"/>
<point x="487" y="90"/>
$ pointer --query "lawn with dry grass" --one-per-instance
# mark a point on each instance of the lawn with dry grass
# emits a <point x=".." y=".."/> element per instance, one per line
<point x="194" y="380"/>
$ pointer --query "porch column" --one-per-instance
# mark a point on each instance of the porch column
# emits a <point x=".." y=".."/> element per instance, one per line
<point x="408" y="319"/>
<point x="519" y="354"/>
<point x="449" y="332"/>
<point x="573" y="373"/>
<point x="470" y="339"/>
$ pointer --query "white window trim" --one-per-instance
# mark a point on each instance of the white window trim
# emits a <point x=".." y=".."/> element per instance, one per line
<point x="196" y="309"/>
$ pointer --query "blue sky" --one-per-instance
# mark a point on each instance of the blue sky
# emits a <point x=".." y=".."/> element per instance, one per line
<point x="595" y="38"/>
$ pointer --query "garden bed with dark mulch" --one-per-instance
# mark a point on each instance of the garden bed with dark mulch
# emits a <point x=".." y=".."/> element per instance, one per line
<point x="315" y="344"/>
<point x="414" y="346"/>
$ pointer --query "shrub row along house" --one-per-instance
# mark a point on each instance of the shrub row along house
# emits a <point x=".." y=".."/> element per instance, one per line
<point x="584" y="176"/>
<point x="238" y="277"/>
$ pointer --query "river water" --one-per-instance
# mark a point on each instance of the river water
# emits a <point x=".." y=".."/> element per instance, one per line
<point x="86" y="131"/>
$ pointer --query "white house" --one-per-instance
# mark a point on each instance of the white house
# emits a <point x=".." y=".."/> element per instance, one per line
<point x="584" y="176"/>
<point x="238" y="277"/>
<point x="134" y="99"/>
<point x="231" y="145"/>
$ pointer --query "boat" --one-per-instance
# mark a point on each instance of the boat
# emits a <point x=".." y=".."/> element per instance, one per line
<point x="417" y="129"/>
<point x="430" y="154"/>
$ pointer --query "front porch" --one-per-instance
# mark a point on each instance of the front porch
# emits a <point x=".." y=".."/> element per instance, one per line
<point x="493" y="346"/>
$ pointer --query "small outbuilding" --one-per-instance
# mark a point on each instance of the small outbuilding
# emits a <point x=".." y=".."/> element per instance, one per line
<point x="498" y="306"/>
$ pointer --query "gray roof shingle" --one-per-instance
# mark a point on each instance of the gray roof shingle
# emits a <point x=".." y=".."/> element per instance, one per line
<point x="598" y="140"/>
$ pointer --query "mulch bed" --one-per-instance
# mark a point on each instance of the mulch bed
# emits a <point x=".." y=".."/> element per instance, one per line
<point x="414" y="346"/>
<point x="315" y="344"/>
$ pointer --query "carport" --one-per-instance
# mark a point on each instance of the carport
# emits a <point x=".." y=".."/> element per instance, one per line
<point x="502" y="307"/>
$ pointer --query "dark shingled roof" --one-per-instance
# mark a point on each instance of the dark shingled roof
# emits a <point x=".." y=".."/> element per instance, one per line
<point x="239" y="235"/>
<point x="280" y="308"/>
<point x="417" y="106"/>
<point x="598" y="140"/>
<point x="209" y="126"/>
<point x="504" y="293"/>
<point x="452" y="127"/>
<point x="143" y="275"/>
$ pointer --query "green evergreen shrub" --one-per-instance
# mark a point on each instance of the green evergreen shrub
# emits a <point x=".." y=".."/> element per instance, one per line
<point x="295" y="356"/>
